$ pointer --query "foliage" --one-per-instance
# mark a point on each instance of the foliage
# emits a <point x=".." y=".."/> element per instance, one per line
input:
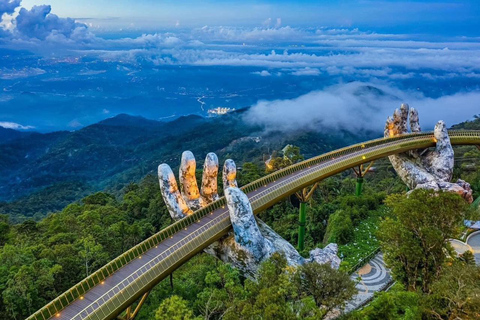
<point x="395" y="304"/>
<point x="214" y="290"/>
<point x="174" y="308"/>
<point x="40" y="260"/>
<point x="329" y="288"/>
<point x="43" y="173"/>
<point x="414" y="239"/>
<point x="340" y="228"/>
<point x="249" y="173"/>
<point x="291" y="155"/>
<point x="364" y="240"/>
<point x="456" y="293"/>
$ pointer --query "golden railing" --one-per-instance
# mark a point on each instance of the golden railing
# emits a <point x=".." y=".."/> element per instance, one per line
<point x="285" y="182"/>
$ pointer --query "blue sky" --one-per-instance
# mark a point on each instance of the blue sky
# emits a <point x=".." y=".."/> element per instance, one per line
<point x="67" y="64"/>
<point x="451" y="17"/>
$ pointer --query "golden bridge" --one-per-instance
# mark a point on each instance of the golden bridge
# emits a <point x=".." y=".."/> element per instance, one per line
<point x="114" y="288"/>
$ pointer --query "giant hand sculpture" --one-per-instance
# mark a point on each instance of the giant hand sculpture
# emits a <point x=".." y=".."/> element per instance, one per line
<point x="251" y="240"/>
<point x="425" y="169"/>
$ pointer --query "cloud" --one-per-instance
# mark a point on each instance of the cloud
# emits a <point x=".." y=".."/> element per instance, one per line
<point x="263" y="73"/>
<point x="343" y="53"/>
<point x="8" y="74"/>
<point x="41" y="24"/>
<point x="278" y="24"/>
<point x="8" y="6"/>
<point x="358" y="106"/>
<point x="15" y="126"/>
<point x="75" y="124"/>
<point x="306" y="72"/>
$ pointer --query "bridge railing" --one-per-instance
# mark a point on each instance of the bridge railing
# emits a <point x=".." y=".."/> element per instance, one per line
<point x="344" y="151"/>
<point x="96" y="278"/>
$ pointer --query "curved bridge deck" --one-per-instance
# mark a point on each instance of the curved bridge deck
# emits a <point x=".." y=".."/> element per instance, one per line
<point x="114" y="287"/>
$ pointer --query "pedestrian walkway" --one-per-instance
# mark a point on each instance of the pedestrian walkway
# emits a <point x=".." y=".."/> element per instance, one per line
<point x="374" y="277"/>
<point x="474" y="242"/>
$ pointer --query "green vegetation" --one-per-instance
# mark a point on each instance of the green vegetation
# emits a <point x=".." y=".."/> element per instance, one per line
<point x="430" y="284"/>
<point x="109" y="155"/>
<point x="364" y="240"/>
<point x="414" y="240"/>
<point x="40" y="257"/>
<point x="38" y="261"/>
<point x="209" y="289"/>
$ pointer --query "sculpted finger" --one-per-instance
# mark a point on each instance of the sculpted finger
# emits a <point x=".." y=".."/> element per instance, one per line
<point x="176" y="205"/>
<point x="229" y="174"/>
<point x="400" y="118"/>
<point x="209" y="189"/>
<point x="440" y="162"/>
<point x="188" y="181"/>
<point x="245" y="227"/>
<point x="414" y="121"/>
<point x="389" y="128"/>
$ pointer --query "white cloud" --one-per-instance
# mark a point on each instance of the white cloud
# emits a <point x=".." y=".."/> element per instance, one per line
<point x="263" y="73"/>
<point x="15" y="126"/>
<point x="8" y="74"/>
<point x="75" y="124"/>
<point x="358" y="106"/>
<point x="305" y="51"/>
<point x="306" y="72"/>
<point x="8" y="6"/>
<point x="278" y="24"/>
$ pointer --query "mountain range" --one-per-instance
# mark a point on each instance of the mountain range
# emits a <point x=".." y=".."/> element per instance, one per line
<point x="42" y="173"/>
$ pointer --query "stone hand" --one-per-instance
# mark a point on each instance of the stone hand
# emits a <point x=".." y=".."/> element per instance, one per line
<point x="427" y="169"/>
<point x="251" y="240"/>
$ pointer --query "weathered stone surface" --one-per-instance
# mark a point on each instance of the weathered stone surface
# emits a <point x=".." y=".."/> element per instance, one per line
<point x="251" y="240"/>
<point x="245" y="228"/>
<point x="425" y="169"/>
<point x="229" y="174"/>
<point x="188" y="181"/>
<point x="326" y="255"/>
<point x="209" y="189"/>
<point x="174" y="201"/>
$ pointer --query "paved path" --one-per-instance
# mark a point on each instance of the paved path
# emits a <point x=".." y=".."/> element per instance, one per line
<point x="459" y="246"/>
<point x="374" y="277"/>
<point x="474" y="243"/>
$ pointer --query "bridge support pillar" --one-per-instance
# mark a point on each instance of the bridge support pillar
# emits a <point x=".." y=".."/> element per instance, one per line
<point x="302" y="221"/>
<point x="358" y="187"/>
<point x="129" y="314"/>
<point x="303" y="196"/>
<point x="360" y="172"/>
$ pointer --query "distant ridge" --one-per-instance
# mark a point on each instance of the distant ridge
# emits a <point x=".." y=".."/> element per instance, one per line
<point x="124" y="119"/>
<point x="7" y="135"/>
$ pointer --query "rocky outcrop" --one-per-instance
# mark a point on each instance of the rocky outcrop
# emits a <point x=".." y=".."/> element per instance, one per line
<point x="326" y="255"/>
<point x="251" y="242"/>
<point x="425" y="169"/>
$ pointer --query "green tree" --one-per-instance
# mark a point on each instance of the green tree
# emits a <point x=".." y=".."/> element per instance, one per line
<point x="396" y="304"/>
<point x="249" y="173"/>
<point x="174" y="308"/>
<point x="329" y="288"/>
<point x="92" y="254"/>
<point x="414" y="239"/>
<point x="456" y="294"/>
<point x="291" y="155"/>
<point x="30" y="287"/>
<point x="340" y="228"/>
